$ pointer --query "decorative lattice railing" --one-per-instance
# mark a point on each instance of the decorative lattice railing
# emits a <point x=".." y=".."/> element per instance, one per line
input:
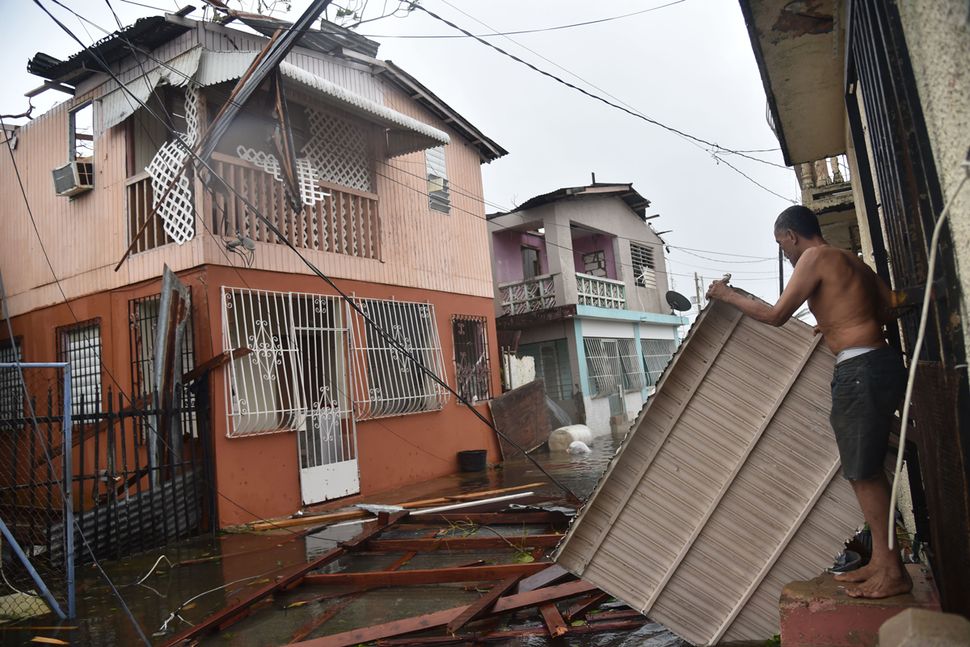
<point x="600" y="292"/>
<point x="346" y="221"/>
<point x="528" y="296"/>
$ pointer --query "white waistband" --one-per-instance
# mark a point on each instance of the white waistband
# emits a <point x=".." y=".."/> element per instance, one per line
<point x="855" y="351"/>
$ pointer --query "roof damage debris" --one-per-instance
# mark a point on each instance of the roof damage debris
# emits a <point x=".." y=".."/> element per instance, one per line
<point x="521" y="415"/>
<point x="725" y="489"/>
<point x="522" y="593"/>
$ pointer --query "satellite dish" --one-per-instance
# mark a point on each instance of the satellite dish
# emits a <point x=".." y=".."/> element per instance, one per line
<point x="678" y="301"/>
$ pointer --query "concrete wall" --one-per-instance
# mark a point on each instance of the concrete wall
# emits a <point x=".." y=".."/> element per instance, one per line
<point x="938" y="37"/>
<point x="262" y="472"/>
<point x="507" y="254"/>
<point x="596" y="243"/>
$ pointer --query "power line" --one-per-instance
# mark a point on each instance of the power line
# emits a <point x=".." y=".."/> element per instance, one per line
<point x="589" y="94"/>
<point x="527" y="31"/>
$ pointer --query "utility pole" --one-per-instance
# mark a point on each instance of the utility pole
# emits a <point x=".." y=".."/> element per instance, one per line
<point x="781" y="272"/>
<point x="697" y="290"/>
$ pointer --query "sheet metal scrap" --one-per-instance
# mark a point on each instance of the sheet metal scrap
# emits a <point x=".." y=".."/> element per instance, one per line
<point x="726" y="488"/>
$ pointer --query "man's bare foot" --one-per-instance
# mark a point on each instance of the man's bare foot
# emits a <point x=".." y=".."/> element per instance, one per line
<point x="858" y="575"/>
<point x="884" y="583"/>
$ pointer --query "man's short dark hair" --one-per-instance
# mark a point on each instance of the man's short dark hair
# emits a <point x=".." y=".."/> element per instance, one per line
<point x="799" y="219"/>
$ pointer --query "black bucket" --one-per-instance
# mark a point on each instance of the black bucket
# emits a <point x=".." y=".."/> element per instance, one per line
<point x="472" y="460"/>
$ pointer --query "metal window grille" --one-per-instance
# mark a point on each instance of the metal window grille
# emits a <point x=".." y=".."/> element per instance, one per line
<point x="11" y="392"/>
<point x="143" y="325"/>
<point x="552" y="366"/>
<point x="633" y="377"/>
<point x="386" y="381"/>
<point x="604" y="366"/>
<point x="80" y="346"/>
<point x="471" y="357"/>
<point x="296" y="364"/>
<point x="439" y="197"/>
<point x="656" y="356"/>
<point x="643" y="265"/>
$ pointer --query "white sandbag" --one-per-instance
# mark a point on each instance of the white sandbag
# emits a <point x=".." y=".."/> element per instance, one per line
<point x="560" y="439"/>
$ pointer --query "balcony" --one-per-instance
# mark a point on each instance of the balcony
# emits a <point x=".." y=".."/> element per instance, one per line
<point x="345" y="222"/>
<point x="600" y="292"/>
<point x="531" y="295"/>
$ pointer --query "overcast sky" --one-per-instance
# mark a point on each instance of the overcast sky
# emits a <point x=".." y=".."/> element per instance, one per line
<point x="688" y="65"/>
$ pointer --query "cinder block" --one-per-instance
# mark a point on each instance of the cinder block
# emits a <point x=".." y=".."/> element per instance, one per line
<point x="819" y="613"/>
<point x="924" y="628"/>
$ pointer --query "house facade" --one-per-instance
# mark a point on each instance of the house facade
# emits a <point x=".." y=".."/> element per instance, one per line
<point x="884" y="85"/>
<point x="308" y="398"/>
<point x="580" y="279"/>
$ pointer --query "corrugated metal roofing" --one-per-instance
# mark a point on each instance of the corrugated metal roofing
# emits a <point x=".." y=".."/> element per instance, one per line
<point x="726" y="488"/>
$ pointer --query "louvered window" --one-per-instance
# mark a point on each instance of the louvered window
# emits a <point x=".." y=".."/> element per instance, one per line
<point x="656" y="356"/>
<point x="643" y="265"/>
<point x="603" y="365"/>
<point x="80" y="346"/>
<point x="633" y="377"/>
<point x="11" y="393"/>
<point x="438" y="195"/>
<point x="387" y="382"/>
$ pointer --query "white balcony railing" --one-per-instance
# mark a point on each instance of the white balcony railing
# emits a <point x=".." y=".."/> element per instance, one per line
<point x="531" y="295"/>
<point x="600" y="292"/>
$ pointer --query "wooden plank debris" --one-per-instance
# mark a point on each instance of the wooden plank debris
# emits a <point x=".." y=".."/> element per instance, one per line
<point x="553" y="620"/>
<point x="546" y="577"/>
<point x="579" y="609"/>
<point x="289" y="578"/>
<point x="423" y="576"/>
<point x="521" y="415"/>
<point x="483" y="605"/>
<point x="463" y="543"/>
<point x="350" y="515"/>
<point x="442" y="618"/>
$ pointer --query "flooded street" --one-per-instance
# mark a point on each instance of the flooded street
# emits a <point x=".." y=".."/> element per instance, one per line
<point x="213" y="572"/>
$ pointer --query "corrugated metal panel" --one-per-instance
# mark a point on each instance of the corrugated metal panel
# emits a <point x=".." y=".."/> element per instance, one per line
<point x="726" y="488"/>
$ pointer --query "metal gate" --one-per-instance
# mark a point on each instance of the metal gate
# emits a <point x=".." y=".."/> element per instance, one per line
<point x="886" y="121"/>
<point x="37" y="567"/>
<point x="290" y="373"/>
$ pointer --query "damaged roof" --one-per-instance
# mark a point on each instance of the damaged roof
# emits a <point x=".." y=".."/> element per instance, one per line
<point x="726" y="488"/>
<point x="637" y="203"/>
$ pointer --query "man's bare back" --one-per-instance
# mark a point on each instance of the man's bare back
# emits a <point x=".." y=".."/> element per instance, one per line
<point x="849" y="300"/>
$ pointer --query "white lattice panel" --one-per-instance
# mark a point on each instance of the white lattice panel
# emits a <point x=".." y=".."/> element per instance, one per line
<point x="167" y="168"/>
<point x="339" y="150"/>
<point x="307" y="175"/>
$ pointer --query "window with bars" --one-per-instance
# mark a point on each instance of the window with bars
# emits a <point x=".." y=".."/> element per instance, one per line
<point x="386" y="381"/>
<point x="11" y="392"/>
<point x="603" y="365"/>
<point x="296" y="363"/>
<point x="656" y="356"/>
<point x="643" y="265"/>
<point x="552" y="366"/>
<point x="633" y="375"/>
<point x="80" y="346"/>
<point x="439" y="197"/>
<point x="471" y="357"/>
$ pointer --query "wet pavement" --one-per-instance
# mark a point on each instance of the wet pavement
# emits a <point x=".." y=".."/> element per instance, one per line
<point x="225" y="568"/>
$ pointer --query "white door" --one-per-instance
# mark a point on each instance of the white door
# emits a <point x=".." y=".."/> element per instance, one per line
<point x="326" y="434"/>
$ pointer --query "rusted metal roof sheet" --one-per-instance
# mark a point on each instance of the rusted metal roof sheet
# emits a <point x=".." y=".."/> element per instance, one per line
<point x="726" y="488"/>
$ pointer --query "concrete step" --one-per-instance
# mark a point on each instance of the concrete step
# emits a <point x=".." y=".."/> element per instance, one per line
<point x="819" y="613"/>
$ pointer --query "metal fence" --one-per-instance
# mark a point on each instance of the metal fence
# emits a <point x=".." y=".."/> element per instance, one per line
<point x="37" y="568"/>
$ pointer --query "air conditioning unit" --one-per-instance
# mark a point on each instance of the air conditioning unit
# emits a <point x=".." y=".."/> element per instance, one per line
<point x="73" y="178"/>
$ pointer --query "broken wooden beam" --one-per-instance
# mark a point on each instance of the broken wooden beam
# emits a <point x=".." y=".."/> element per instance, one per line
<point x="491" y="518"/>
<point x="553" y="620"/>
<point x="509" y="634"/>
<point x="214" y="362"/>
<point x="580" y="609"/>
<point x="423" y="576"/>
<point x="483" y="605"/>
<point x="517" y="542"/>
<point x="289" y="578"/>
<point x="442" y="618"/>
<point x="547" y="576"/>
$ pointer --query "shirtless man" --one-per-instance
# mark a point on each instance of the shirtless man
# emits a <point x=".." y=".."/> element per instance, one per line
<point x="850" y="304"/>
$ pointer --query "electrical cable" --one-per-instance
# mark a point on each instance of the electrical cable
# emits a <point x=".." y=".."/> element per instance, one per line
<point x="526" y="31"/>
<point x="917" y="347"/>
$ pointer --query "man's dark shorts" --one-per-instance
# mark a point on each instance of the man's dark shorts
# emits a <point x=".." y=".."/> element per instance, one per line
<point x="866" y="391"/>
